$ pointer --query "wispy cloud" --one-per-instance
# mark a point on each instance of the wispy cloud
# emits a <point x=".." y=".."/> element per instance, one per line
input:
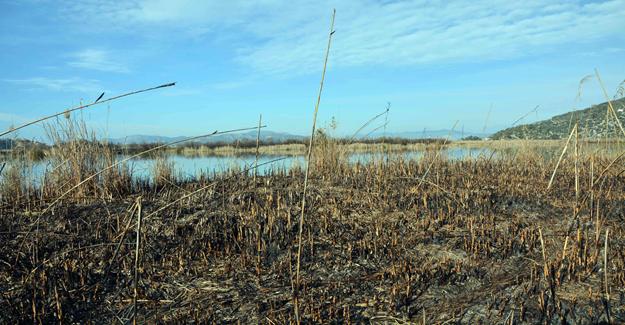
<point x="12" y="118"/>
<point x="96" y="59"/>
<point x="412" y="33"/>
<point x="282" y="37"/>
<point x="222" y="86"/>
<point x="81" y="85"/>
<point x="229" y="85"/>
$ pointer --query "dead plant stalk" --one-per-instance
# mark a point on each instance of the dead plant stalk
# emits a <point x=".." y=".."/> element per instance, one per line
<point x="308" y="163"/>
<point x="84" y="106"/>
<point x="260" y="121"/>
<point x="135" y="156"/>
<point x="137" y="250"/>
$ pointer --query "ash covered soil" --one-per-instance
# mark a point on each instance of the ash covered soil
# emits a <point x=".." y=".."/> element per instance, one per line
<point x="379" y="245"/>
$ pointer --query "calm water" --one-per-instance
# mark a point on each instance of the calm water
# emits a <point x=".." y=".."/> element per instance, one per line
<point x="190" y="167"/>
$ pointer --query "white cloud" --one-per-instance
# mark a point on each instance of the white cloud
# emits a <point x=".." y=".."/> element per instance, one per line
<point x="95" y="59"/>
<point x="229" y="85"/>
<point x="89" y="86"/>
<point x="198" y="89"/>
<point x="285" y="37"/>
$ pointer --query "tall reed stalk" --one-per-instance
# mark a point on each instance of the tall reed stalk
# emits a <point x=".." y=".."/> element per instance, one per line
<point x="308" y="163"/>
<point x="260" y="121"/>
<point x="137" y="259"/>
<point x="610" y="107"/>
<point x="67" y="111"/>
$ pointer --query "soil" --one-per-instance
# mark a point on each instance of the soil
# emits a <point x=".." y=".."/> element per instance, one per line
<point x="465" y="246"/>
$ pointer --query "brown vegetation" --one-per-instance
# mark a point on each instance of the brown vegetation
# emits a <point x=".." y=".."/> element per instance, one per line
<point x="477" y="241"/>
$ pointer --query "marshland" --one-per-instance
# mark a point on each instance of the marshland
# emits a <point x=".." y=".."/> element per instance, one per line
<point x="479" y="238"/>
<point x="374" y="221"/>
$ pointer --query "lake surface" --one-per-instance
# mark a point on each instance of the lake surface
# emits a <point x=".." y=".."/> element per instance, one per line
<point x="189" y="167"/>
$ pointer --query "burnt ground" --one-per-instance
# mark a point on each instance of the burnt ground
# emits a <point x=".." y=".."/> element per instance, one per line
<point x="463" y="247"/>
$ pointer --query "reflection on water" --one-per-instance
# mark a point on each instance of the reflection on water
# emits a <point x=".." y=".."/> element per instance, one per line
<point x="193" y="167"/>
<point x="190" y="167"/>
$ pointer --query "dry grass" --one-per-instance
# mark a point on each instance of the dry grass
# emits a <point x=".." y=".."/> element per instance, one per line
<point x="433" y="240"/>
<point x="12" y="184"/>
<point x="76" y="154"/>
<point x="163" y="172"/>
<point x="464" y="247"/>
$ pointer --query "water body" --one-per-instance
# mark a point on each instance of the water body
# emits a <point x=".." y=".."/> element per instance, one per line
<point x="189" y="167"/>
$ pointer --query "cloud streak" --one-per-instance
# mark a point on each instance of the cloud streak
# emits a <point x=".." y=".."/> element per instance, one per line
<point x="81" y="85"/>
<point x="283" y="37"/>
<point x="95" y="59"/>
<point x="12" y="118"/>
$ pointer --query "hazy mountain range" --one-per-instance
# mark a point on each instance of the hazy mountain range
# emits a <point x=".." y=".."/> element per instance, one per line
<point x="280" y="137"/>
<point x="265" y="136"/>
<point x="431" y="134"/>
<point x="592" y="124"/>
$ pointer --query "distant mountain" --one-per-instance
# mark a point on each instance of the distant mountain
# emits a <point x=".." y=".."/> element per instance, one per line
<point x="430" y="134"/>
<point x="280" y="137"/>
<point x="265" y="136"/>
<point x="141" y="139"/>
<point x="592" y="124"/>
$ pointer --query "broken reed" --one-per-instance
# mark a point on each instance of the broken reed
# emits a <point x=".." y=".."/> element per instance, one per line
<point x="374" y="241"/>
<point x="478" y="207"/>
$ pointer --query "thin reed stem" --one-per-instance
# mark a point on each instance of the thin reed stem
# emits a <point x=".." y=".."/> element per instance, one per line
<point x="135" y="156"/>
<point x="610" y="107"/>
<point x="366" y="124"/>
<point x="553" y="175"/>
<point x="36" y="223"/>
<point x="13" y="129"/>
<point x="308" y="163"/>
<point x="605" y="277"/>
<point x="576" y="164"/>
<point x="438" y="152"/>
<point x="260" y="121"/>
<point x="245" y="171"/>
<point x="136" y="271"/>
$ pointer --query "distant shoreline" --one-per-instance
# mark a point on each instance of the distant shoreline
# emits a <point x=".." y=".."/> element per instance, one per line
<point x="40" y="151"/>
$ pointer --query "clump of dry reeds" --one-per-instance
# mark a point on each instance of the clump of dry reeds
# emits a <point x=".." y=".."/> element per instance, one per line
<point x="75" y="155"/>
<point x="328" y="152"/>
<point x="163" y="171"/>
<point x="431" y="240"/>
<point x="12" y="182"/>
<point x="486" y="234"/>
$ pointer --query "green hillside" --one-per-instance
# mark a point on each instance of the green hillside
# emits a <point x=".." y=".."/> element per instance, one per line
<point x="592" y="124"/>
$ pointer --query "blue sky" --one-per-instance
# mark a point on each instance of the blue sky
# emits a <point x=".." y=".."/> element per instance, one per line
<point x="437" y="62"/>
